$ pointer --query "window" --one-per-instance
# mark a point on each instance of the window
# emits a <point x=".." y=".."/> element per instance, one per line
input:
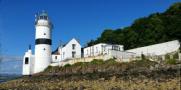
<point x="104" y="48"/>
<point x="63" y="54"/>
<point x="96" y="50"/>
<point x="55" y="57"/>
<point x="112" y="47"/>
<point x="26" y="60"/>
<point x="45" y="17"/>
<point x="41" y="17"/>
<point x="73" y="46"/>
<point x="73" y="54"/>
<point x="115" y="48"/>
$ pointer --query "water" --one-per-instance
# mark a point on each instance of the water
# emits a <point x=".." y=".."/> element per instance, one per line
<point x="6" y="77"/>
<point x="10" y="69"/>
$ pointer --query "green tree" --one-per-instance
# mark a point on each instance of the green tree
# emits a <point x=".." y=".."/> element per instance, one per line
<point x="156" y="28"/>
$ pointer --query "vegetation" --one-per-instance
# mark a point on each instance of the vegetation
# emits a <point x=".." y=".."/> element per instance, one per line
<point x="111" y="75"/>
<point x="67" y="65"/>
<point x="171" y="61"/>
<point x="156" y="28"/>
<point x="175" y="55"/>
<point x="98" y="62"/>
<point x="172" y="58"/>
<point x="101" y="75"/>
<point x="143" y="57"/>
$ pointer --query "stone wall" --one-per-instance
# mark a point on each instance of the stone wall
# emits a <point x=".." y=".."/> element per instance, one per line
<point x="86" y="59"/>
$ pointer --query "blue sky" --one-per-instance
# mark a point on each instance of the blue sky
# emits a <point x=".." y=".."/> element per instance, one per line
<point x="82" y="19"/>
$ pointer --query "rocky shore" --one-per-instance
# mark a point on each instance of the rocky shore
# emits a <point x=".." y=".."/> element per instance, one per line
<point x="102" y="75"/>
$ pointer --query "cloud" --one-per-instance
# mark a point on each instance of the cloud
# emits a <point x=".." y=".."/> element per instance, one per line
<point x="6" y="58"/>
<point x="11" y="67"/>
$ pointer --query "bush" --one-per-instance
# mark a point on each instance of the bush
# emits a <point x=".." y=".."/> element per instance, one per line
<point x="67" y="65"/>
<point x="175" y="55"/>
<point x="143" y="63"/>
<point x="48" y="68"/>
<point x="97" y="61"/>
<point x="110" y="61"/>
<point x="167" y="56"/>
<point x="143" y="57"/>
<point x="171" y="61"/>
<point x="80" y="64"/>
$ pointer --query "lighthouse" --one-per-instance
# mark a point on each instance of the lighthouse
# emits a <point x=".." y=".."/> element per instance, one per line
<point x="43" y="30"/>
<point x="43" y="56"/>
<point x="41" y="59"/>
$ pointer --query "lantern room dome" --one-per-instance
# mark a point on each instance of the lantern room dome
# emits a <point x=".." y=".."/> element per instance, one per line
<point x="42" y="19"/>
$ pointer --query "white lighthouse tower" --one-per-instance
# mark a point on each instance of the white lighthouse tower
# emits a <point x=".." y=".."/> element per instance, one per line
<point x="43" y="42"/>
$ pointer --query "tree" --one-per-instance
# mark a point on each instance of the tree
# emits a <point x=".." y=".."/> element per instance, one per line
<point x="156" y="28"/>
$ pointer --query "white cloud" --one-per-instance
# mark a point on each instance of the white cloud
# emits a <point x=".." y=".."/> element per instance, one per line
<point x="6" y="58"/>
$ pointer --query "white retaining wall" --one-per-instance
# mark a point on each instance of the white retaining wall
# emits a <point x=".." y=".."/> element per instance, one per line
<point x="122" y="56"/>
<point x="87" y="59"/>
<point x="157" y="49"/>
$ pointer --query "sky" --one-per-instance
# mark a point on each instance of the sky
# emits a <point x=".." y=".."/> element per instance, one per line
<point x="80" y="19"/>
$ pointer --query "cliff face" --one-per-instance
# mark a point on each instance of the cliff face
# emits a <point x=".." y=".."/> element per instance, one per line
<point x="102" y="75"/>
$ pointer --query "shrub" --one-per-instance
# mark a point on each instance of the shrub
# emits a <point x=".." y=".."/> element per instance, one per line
<point x="48" y="68"/>
<point x="67" y="65"/>
<point x="143" y="63"/>
<point x="143" y="57"/>
<point x="80" y="64"/>
<point x="110" y="61"/>
<point x="167" y="56"/>
<point x="175" y="55"/>
<point x="171" y="61"/>
<point x="97" y="61"/>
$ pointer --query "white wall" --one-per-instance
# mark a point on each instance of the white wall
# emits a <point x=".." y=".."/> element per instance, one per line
<point x="42" y="51"/>
<point x="41" y="30"/>
<point x="122" y="55"/>
<point x="66" y="51"/>
<point x="26" y="67"/>
<point x="157" y="49"/>
<point x="75" y="60"/>
<point x="100" y="49"/>
<point x="94" y="50"/>
<point x="56" y="58"/>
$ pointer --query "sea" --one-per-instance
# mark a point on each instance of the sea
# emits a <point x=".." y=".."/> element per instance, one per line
<point x="10" y="69"/>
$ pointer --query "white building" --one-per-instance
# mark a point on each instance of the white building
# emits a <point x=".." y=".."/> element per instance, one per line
<point x="42" y="58"/>
<point x="68" y="51"/>
<point x="157" y="49"/>
<point x="101" y="49"/>
<point x="43" y="54"/>
<point x="28" y="61"/>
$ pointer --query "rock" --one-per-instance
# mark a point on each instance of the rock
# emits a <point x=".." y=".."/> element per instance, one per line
<point x="101" y="79"/>
<point x="113" y="78"/>
<point x="81" y="87"/>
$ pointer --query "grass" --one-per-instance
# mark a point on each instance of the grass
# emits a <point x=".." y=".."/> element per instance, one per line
<point x="97" y="61"/>
<point x="98" y="65"/>
<point x="101" y="75"/>
<point x="171" y="61"/>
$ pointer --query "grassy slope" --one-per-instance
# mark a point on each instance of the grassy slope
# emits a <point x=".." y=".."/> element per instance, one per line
<point x="99" y="75"/>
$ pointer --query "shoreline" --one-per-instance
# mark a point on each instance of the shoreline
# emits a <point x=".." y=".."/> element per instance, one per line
<point x="9" y="77"/>
<point x="99" y="75"/>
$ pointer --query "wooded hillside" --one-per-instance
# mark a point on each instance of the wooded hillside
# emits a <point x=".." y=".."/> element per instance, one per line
<point x="156" y="28"/>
